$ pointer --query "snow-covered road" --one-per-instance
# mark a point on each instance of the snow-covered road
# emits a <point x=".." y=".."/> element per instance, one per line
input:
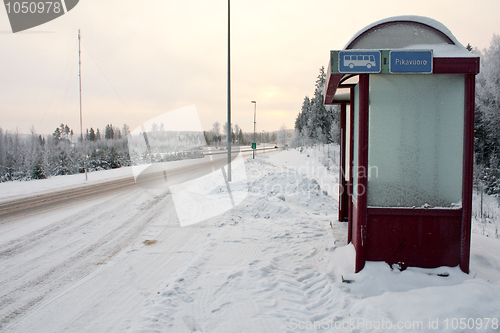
<point x="123" y="262"/>
<point x="43" y="255"/>
<point x="21" y="198"/>
<point x="274" y="263"/>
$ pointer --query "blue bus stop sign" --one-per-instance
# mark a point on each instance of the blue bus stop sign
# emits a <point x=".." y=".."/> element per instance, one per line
<point x="359" y="61"/>
<point x="410" y="61"/>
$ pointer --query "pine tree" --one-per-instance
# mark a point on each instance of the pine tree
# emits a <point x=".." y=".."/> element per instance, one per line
<point x="38" y="171"/>
<point x="207" y="138"/>
<point x="303" y="116"/>
<point x="57" y="135"/>
<point x="126" y="130"/>
<point x="487" y="116"/>
<point x="487" y="102"/>
<point x="323" y="116"/>
<point x="108" y="132"/>
<point x="92" y="136"/>
<point x="216" y="132"/>
<point x="316" y="121"/>
<point x="67" y="131"/>
<point x="241" y="139"/>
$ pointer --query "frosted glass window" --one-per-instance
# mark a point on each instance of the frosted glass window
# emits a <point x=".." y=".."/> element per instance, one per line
<point x="415" y="140"/>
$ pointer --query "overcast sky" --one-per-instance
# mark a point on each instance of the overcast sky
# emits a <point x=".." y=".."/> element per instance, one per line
<point x="141" y="59"/>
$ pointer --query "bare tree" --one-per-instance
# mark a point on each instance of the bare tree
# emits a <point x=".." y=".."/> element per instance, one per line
<point x="237" y="129"/>
<point x="216" y="128"/>
<point x="282" y="135"/>
<point x="216" y="131"/>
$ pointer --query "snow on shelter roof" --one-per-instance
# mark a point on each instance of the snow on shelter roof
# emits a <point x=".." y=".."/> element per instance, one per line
<point x="409" y="32"/>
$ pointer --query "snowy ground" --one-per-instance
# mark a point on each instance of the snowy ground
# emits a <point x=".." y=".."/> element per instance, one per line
<point x="275" y="263"/>
<point x="489" y="224"/>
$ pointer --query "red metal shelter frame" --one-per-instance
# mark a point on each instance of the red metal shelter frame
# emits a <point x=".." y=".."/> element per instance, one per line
<point x="415" y="237"/>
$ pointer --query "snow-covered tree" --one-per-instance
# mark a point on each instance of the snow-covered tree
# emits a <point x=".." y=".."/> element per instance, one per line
<point x="109" y="132"/>
<point x="92" y="136"/>
<point x="216" y="132"/>
<point x="57" y="134"/>
<point x="315" y="120"/>
<point x="126" y="130"/>
<point x="241" y="138"/>
<point x="487" y="118"/>
<point x="301" y="121"/>
<point x="224" y="132"/>
<point x="282" y="138"/>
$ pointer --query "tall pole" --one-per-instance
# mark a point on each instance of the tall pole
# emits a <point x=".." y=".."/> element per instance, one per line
<point x="80" y="79"/>
<point x="80" y="85"/>
<point x="254" y="122"/>
<point x="229" y="90"/>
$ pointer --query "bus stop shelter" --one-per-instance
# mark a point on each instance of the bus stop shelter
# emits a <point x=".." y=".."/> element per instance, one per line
<point x="406" y="90"/>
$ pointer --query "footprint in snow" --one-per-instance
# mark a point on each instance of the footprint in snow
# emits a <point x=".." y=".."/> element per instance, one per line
<point x="223" y="307"/>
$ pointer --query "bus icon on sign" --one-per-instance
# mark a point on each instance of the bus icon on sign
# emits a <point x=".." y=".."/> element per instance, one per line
<point x="367" y="61"/>
<point x="359" y="61"/>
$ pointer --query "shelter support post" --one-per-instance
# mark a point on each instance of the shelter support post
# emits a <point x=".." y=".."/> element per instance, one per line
<point x="468" y="160"/>
<point x="350" y="164"/>
<point x="343" y="193"/>
<point x="360" y="217"/>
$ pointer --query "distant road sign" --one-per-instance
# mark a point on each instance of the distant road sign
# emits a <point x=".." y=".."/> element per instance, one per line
<point x="254" y="145"/>
<point x="411" y="61"/>
<point x="359" y="61"/>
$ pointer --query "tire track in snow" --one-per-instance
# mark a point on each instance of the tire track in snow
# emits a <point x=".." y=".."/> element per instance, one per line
<point x="31" y="251"/>
<point x="23" y="293"/>
<point x="20" y="244"/>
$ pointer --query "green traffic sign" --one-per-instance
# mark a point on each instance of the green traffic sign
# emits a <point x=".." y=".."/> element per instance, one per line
<point x="254" y="145"/>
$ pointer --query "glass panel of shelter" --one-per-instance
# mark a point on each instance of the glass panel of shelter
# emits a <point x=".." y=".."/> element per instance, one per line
<point x="415" y="140"/>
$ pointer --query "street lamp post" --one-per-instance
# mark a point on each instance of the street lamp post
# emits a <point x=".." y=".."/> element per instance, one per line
<point x="228" y="90"/>
<point x="254" y="122"/>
